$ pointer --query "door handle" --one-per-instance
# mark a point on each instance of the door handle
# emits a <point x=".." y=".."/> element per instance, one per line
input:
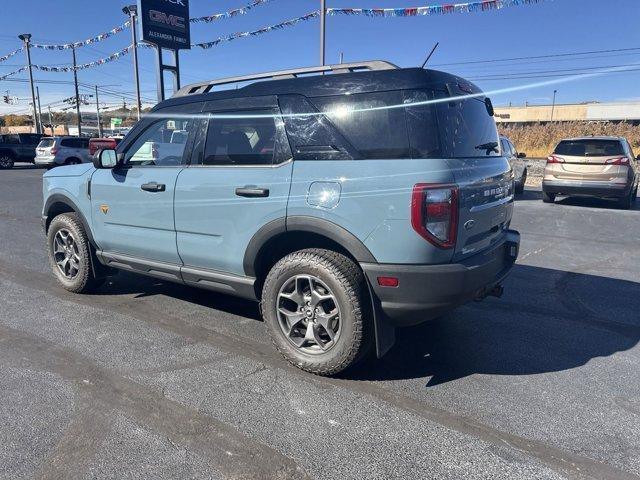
<point x="252" y="192"/>
<point x="154" y="187"/>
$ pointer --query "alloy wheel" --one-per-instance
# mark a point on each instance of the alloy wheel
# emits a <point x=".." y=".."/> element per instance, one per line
<point x="308" y="314"/>
<point x="66" y="254"/>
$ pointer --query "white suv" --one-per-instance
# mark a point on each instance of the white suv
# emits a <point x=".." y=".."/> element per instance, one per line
<point x="56" y="151"/>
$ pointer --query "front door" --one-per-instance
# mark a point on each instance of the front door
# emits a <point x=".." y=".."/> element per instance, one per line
<point x="238" y="182"/>
<point x="132" y="205"/>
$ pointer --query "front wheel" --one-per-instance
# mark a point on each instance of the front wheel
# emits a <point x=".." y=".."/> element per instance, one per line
<point x="548" y="197"/>
<point x="70" y="254"/>
<point x="316" y="307"/>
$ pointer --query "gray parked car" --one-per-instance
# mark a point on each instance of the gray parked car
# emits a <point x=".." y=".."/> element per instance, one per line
<point x="56" y="151"/>
<point x="518" y="165"/>
<point x="346" y="204"/>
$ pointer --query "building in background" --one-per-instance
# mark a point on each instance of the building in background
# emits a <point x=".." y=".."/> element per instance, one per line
<point x="587" y="112"/>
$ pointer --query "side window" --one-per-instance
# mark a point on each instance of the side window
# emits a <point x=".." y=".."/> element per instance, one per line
<point x="162" y="143"/>
<point x="505" y="147"/>
<point x="512" y="149"/>
<point x="241" y="138"/>
<point x="365" y="121"/>
<point x="68" y="142"/>
<point x="312" y="136"/>
<point x="12" y="139"/>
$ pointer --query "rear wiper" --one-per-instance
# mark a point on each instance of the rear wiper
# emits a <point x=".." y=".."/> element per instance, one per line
<point x="488" y="147"/>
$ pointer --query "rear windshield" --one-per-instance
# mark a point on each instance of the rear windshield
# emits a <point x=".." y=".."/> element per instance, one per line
<point x="47" y="143"/>
<point x="413" y="124"/>
<point x="589" y="148"/>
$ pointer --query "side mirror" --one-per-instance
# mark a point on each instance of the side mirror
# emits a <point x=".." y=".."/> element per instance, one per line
<point x="105" y="159"/>
<point x="522" y="155"/>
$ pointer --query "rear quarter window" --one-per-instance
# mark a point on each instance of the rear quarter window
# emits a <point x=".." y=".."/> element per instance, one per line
<point x="368" y="123"/>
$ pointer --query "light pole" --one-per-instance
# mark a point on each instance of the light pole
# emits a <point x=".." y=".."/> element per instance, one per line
<point x="323" y="17"/>
<point x="26" y="38"/>
<point x="98" y="113"/>
<point x="553" y="106"/>
<point x="132" y="11"/>
<point x="75" y="81"/>
<point x="39" y="109"/>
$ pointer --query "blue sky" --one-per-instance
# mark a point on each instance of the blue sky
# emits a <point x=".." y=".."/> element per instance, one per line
<point x="555" y="26"/>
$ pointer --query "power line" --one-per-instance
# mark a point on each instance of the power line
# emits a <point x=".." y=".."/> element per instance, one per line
<point x="556" y="55"/>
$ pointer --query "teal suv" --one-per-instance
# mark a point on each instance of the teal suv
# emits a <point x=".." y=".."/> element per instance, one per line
<point x="348" y="204"/>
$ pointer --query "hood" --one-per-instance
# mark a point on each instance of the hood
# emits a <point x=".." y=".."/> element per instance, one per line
<point x="70" y="170"/>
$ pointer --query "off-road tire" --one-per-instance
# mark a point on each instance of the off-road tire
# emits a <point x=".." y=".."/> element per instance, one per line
<point x="85" y="280"/>
<point x="348" y="284"/>
<point x="548" y="197"/>
<point x="6" y="161"/>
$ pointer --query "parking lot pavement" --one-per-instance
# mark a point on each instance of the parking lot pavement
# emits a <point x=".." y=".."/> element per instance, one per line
<point x="153" y="380"/>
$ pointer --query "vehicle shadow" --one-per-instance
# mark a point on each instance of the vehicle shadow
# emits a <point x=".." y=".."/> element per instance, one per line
<point x="548" y="321"/>
<point x="26" y="166"/>
<point x="125" y="283"/>
<point x="593" y="202"/>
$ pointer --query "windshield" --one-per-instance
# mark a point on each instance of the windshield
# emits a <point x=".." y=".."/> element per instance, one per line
<point x="589" y="148"/>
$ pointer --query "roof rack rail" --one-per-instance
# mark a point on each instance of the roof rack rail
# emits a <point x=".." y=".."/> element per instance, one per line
<point x="205" y="87"/>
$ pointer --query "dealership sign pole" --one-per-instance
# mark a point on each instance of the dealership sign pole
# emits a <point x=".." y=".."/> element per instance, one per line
<point x="132" y="11"/>
<point x="165" y="24"/>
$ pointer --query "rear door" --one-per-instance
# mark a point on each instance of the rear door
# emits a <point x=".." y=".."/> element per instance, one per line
<point x="238" y="181"/>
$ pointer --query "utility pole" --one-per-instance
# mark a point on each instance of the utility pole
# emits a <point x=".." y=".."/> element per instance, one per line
<point x="323" y="17"/>
<point x="553" y="106"/>
<point x="75" y="79"/>
<point x="53" y="133"/>
<point x="39" y="110"/>
<point x="132" y="11"/>
<point x="98" y="113"/>
<point x="26" y="38"/>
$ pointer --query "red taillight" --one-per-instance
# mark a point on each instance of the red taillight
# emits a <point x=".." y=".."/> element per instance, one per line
<point x="54" y="151"/>
<point x="617" y="161"/>
<point x="154" y="151"/>
<point x="434" y="213"/>
<point x="555" y="159"/>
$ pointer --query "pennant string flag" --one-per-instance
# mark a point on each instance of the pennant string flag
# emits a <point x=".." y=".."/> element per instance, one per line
<point x="11" y="74"/>
<point x="230" y="14"/>
<point x="448" y="8"/>
<point x="260" y="31"/>
<point x="468" y="7"/>
<point x="11" y="54"/>
<point x="84" y="43"/>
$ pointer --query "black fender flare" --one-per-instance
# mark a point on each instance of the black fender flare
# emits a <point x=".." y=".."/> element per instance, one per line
<point x="59" y="198"/>
<point x="301" y="223"/>
<point x="384" y="331"/>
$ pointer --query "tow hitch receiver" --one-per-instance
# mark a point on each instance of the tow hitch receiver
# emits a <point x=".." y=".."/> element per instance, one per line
<point x="496" y="291"/>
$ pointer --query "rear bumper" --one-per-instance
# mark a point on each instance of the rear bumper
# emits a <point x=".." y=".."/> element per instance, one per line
<point x="425" y="292"/>
<point x="45" y="161"/>
<point x="590" y="188"/>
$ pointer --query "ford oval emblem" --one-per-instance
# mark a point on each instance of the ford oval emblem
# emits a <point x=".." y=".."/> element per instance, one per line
<point x="469" y="225"/>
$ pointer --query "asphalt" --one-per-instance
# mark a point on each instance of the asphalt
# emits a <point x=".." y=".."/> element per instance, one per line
<point x="153" y="380"/>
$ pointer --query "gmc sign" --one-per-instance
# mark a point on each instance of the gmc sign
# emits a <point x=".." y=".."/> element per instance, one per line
<point x="165" y="23"/>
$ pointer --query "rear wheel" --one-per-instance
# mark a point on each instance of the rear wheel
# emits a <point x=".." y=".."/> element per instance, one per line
<point x="6" y="161"/>
<point x="70" y="254"/>
<point x="548" y="197"/>
<point x="316" y="307"/>
<point x="520" y="185"/>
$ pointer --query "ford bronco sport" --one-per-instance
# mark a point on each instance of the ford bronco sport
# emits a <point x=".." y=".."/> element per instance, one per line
<point x="347" y="204"/>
